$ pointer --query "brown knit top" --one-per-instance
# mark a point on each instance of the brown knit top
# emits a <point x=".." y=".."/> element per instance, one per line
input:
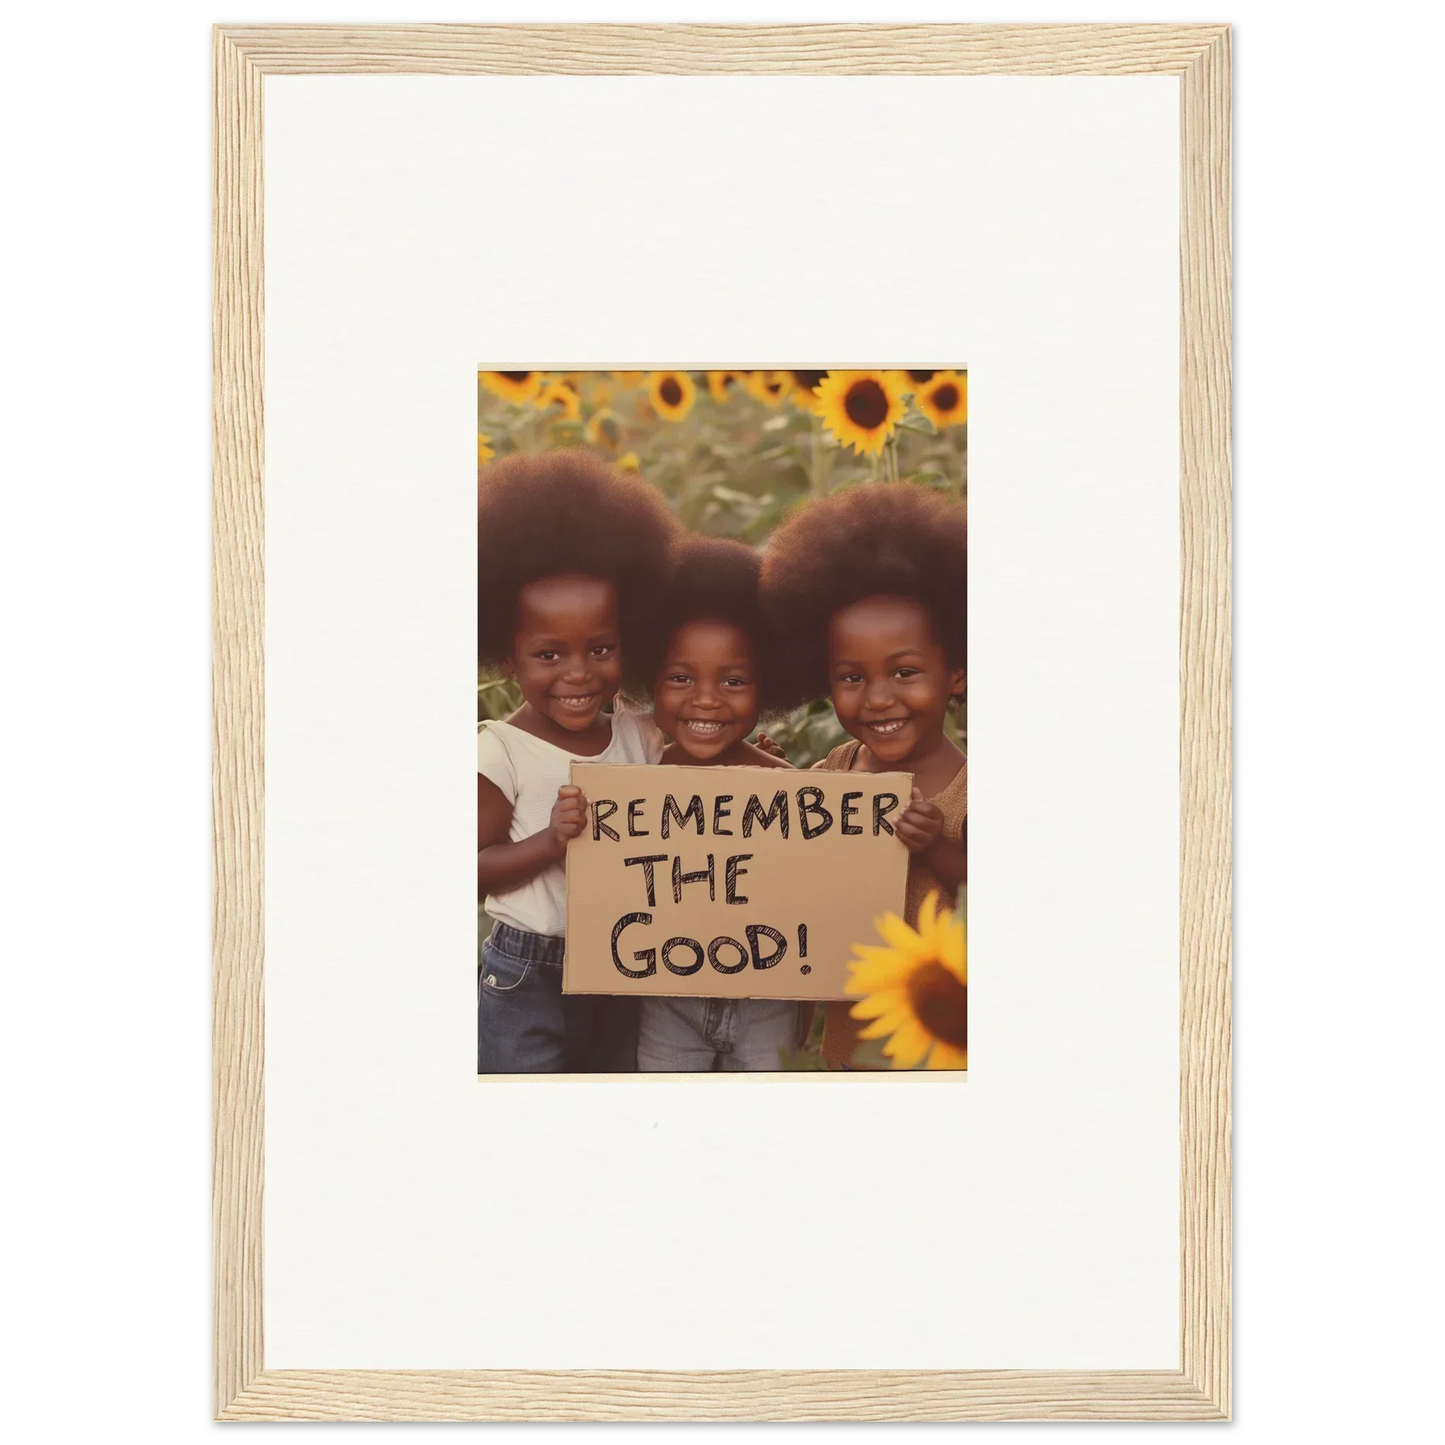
<point x="841" y="1044"/>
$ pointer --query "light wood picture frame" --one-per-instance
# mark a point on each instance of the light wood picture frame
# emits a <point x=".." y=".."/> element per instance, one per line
<point x="1199" y="1388"/>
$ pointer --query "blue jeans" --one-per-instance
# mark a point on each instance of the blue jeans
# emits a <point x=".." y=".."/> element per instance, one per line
<point x="702" y="1035"/>
<point x="527" y="1025"/>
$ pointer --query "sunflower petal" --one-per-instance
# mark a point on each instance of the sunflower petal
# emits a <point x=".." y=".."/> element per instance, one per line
<point x="952" y="953"/>
<point x="866" y="977"/>
<point x="908" y="1045"/>
<point x="927" y="916"/>
<point x="875" y="953"/>
<point x="946" y="1056"/>
<point x="880" y="1028"/>
<point x="892" y="1009"/>
<point x="938" y="935"/>
<point x="878" y="1003"/>
<point x="902" y="937"/>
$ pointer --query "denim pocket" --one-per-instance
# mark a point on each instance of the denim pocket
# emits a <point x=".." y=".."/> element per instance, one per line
<point x="501" y="973"/>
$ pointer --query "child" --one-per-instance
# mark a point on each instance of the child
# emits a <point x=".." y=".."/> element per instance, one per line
<point x="714" y="671"/>
<point x="571" y="557"/>
<point x="871" y="584"/>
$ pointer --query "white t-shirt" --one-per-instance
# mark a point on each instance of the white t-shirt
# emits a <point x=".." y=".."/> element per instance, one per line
<point x="528" y="772"/>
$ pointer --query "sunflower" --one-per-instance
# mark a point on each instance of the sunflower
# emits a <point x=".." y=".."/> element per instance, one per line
<point x="604" y="429"/>
<point x="518" y="386"/>
<point x="671" y="393"/>
<point x="944" y="401"/>
<point x="805" y="388"/>
<point x="720" y="384"/>
<point x="912" y="381"/>
<point x="770" y="387"/>
<point x="563" y="394"/>
<point x="484" y="448"/>
<point x="916" y="990"/>
<point x="861" y="408"/>
<point x="629" y="462"/>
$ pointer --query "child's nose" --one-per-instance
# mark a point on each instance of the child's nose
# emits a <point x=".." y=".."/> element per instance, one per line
<point x="879" y="693"/>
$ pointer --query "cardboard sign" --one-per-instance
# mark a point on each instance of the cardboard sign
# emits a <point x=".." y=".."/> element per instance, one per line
<point x="729" y="882"/>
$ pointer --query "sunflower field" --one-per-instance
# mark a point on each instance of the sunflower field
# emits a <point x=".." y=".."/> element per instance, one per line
<point x="732" y="451"/>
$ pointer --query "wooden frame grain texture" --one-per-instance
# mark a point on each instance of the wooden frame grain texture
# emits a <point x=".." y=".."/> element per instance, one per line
<point x="1200" y="1388"/>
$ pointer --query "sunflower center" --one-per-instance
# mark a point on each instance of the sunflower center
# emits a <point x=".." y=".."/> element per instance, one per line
<point x="610" y="429"/>
<point x="866" y="404"/>
<point x="515" y="375"/>
<point x="670" y="391"/>
<point x="808" y="379"/>
<point x="940" y="1002"/>
<point x="919" y="377"/>
<point x="946" y="397"/>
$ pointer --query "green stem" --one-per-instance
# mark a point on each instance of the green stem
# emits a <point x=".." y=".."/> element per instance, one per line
<point x="815" y="470"/>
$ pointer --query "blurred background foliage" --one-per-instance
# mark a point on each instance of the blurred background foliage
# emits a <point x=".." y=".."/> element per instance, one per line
<point x="732" y="451"/>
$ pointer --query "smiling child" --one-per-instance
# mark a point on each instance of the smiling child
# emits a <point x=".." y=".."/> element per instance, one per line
<point x="714" y="668"/>
<point x="871" y="585"/>
<point x="571" y="558"/>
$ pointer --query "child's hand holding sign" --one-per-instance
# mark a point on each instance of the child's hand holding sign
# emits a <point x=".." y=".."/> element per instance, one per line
<point x="569" y="815"/>
<point x="919" y="823"/>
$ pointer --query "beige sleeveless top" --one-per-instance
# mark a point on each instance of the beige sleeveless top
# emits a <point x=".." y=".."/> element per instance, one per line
<point x="841" y="1044"/>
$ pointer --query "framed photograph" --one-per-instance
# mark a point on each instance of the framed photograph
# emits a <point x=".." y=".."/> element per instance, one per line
<point x="851" y="404"/>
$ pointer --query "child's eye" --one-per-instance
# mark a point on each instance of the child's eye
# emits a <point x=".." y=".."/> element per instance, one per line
<point x="735" y="682"/>
<point x="679" y="677"/>
<point x="850" y="677"/>
<point x="909" y="671"/>
<point x="604" y="649"/>
<point x="546" y="656"/>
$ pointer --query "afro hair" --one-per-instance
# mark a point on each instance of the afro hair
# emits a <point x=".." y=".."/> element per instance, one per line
<point x="895" y="539"/>
<point x="718" y="579"/>
<point x="560" y="513"/>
